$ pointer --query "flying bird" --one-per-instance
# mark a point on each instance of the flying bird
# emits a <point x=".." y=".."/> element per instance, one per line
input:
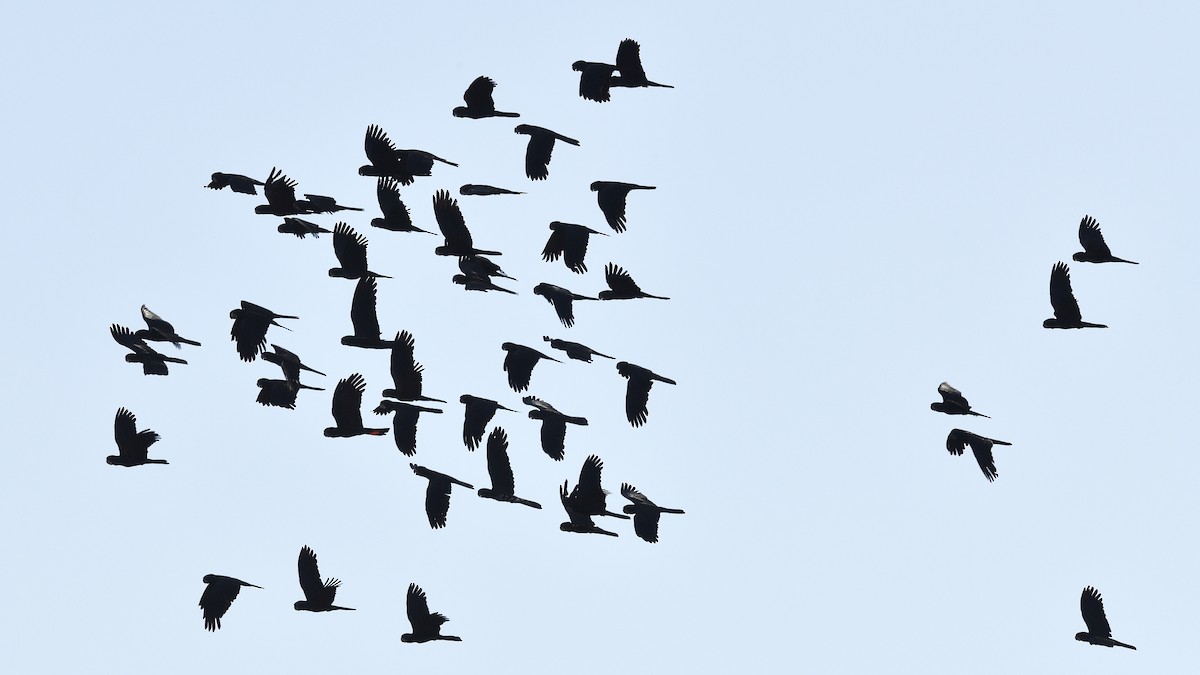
<point x="407" y="374"/>
<point x="161" y="331"/>
<point x="1062" y="298"/>
<point x="587" y="497"/>
<point x="280" y="192"/>
<point x="454" y="228"/>
<point x="645" y="513"/>
<point x="953" y="402"/>
<point x="622" y="286"/>
<point x="301" y="228"/>
<point x="426" y="626"/>
<point x="437" y="494"/>
<point x="280" y="393"/>
<point x="574" y="350"/>
<point x="476" y="415"/>
<point x="288" y="362"/>
<point x="637" y="391"/>
<point x="322" y="204"/>
<point x="350" y="247"/>
<point x="1094" y="248"/>
<point x="629" y="64"/>
<point x="318" y="596"/>
<point x="234" y="181"/>
<point x="541" y="146"/>
<point x="132" y="445"/>
<point x="404" y="423"/>
<point x="364" y="318"/>
<point x="569" y="241"/>
<point x="554" y="426"/>
<point x="347" y="409"/>
<point x="396" y="216"/>
<point x="219" y="593"/>
<point x="479" y="104"/>
<point x="479" y="266"/>
<point x="959" y="439"/>
<point x="519" y="363"/>
<point x="153" y="362"/>
<point x="1098" y="631"/>
<point x="473" y="282"/>
<point x="562" y="299"/>
<point x="595" y="80"/>
<point x="485" y="190"/>
<point x="250" y="324"/>
<point x="611" y="196"/>
<point x="386" y="161"/>
<point x="578" y="522"/>
<point x="500" y="471"/>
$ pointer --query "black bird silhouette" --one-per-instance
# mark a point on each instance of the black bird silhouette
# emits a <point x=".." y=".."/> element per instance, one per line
<point x="288" y="362"/>
<point x="595" y="79"/>
<point x="959" y="439"/>
<point x="611" y="196"/>
<point x="554" y="426"/>
<point x="153" y="363"/>
<point x="426" y="626"/>
<point x="280" y="192"/>
<point x="574" y="350"/>
<point x="132" y="445"/>
<point x="562" y="299"/>
<point x="478" y="97"/>
<point x="541" y="146"/>
<point x="301" y="228"/>
<point x="645" y="513"/>
<point x="347" y="409"/>
<point x="637" y="392"/>
<point x="407" y="374"/>
<point x="364" y="318"/>
<point x="250" y="324"/>
<point x="953" y="402"/>
<point x="485" y="190"/>
<point x="318" y="597"/>
<point x="1094" y="248"/>
<point x="235" y="182"/>
<point x="519" y="363"/>
<point x="161" y="331"/>
<point x="1098" y="631"/>
<point x="389" y="162"/>
<point x="622" y="286"/>
<point x="280" y="393"/>
<point x="1062" y="298"/>
<point x="578" y="522"/>
<point x="404" y="423"/>
<point x="396" y="216"/>
<point x="219" y="593"/>
<point x="587" y="497"/>
<point x="479" y="266"/>
<point x="500" y="470"/>
<point x="629" y="64"/>
<point x="476" y="415"/>
<point x="322" y="204"/>
<point x="350" y="247"/>
<point x="437" y="495"/>
<point x="569" y="241"/>
<point x="473" y="282"/>
<point x="454" y="228"/>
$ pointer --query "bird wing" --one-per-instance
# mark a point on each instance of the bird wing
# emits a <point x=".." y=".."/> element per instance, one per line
<point x="216" y="599"/>
<point x="403" y="366"/>
<point x="499" y="467"/>
<point x="519" y="366"/>
<point x="537" y="155"/>
<point x="475" y="418"/>
<point x="574" y="247"/>
<point x="1062" y="298"/>
<point x="249" y="331"/>
<point x="378" y="147"/>
<point x="418" y="609"/>
<point x="611" y="199"/>
<point x="437" y="500"/>
<point x="125" y="430"/>
<point x="390" y="204"/>
<point x="645" y="524"/>
<point x="952" y="396"/>
<point x="619" y="280"/>
<point x="575" y="516"/>
<point x="362" y="309"/>
<point x="554" y="245"/>
<point x="405" y="423"/>
<point x="982" y="447"/>
<point x="634" y="495"/>
<point x="347" y="402"/>
<point x="629" y="61"/>
<point x="540" y="404"/>
<point x="450" y="220"/>
<point x="957" y="441"/>
<point x="128" y="340"/>
<point x="637" y="396"/>
<point x="478" y="95"/>
<point x="554" y="437"/>
<point x="350" y="247"/>
<point x="280" y="191"/>
<point x="1091" y="605"/>
<point x="1091" y="239"/>
<point x="310" y="577"/>
<point x="589" y="475"/>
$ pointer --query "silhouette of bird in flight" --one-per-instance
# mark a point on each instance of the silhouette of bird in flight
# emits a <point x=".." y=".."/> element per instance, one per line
<point x="364" y="318"/>
<point x="437" y="495"/>
<point x="554" y="426"/>
<point x="454" y="228"/>
<point x="280" y="192"/>
<point x="541" y="146"/>
<point x="234" y="181"/>
<point x="500" y="471"/>
<point x="595" y="80"/>
<point x="347" y="409"/>
<point x="485" y="190"/>
<point x="161" y="331"/>
<point x="132" y="445"/>
<point x="479" y="266"/>
<point x="637" y="391"/>
<point x="280" y="393"/>
<point x="574" y="350"/>
<point x="479" y="103"/>
<point x="959" y="439"/>
<point x="219" y="593"/>
<point x="953" y="402"/>
<point x="629" y="65"/>
<point x="318" y="596"/>
<point x="1094" y="248"/>
<point x="476" y="415"/>
<point x="1062" y="299"/>
<point x="587" y="497"/>
<point x="578" y="522"/>
<point x="562" y="299"/>
<point x="322" y="204"/>
<point x="153" y="362"/>
<point x="386" y="161"/>
<point x="622" y="286"/>
<point x="301" y="228"/>
<point x="645" y="513"/>
<point x="474" y="282"/>
<point x="407" y="374"/>
<point x="350" y="247"/>
<point x="396" y="216"/>
<point x="569" y="241"/>
<point x="426" y="626"/>
<point x="519" y="363"/>
<point x="404" y="423"/>
<point x="611" y="196"/>
<point x="1098" y="631"/>
<point x="288" y="362"/>
<point x="250" y="324"/>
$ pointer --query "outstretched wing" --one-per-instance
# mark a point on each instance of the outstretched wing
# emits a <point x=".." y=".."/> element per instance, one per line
<point x="629" y="61"/>
<point x="499" y="468"/>
<point x="637" y="398"/>
<point x="450" y="221"/>
<point x="478" y="96"/>
<point x="347" y="402"/>
<point x="1091" y="239"/>
<point x="350" y="247"/>
<point x="1092" y="607"/>
<point x="362" y="309"/>
<point x="1062" y="298"/>
<point x="418" y="609"/>
<point x="618" y="279"/>
<point x="390" y="204"/>
<point x="310" y="578"/>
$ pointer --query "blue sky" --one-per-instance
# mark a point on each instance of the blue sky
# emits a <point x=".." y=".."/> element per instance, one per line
<point x="855" y="203"/>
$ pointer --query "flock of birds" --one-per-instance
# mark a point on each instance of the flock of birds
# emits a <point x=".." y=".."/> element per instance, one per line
<point x="405" y="401"/>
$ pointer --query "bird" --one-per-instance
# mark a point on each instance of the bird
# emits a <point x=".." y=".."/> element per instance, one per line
<point x="574" y="350"/>
<point x="578" y="522"/>
<point x="519" y="363"/>
<point x="396" y="216"/>
<point x="637" y="391"/>
<point x="477" y="412"/>
<point x="407" y="374"/>
<point x="288" y="362"/>
<point x="611" y="197"/>
<point x="280" y="192"/>
<point x="485" y="190"/>
<point x="132" y="445"/>
<point x="479" y="266"/>
<point x="1098" y="632"/>
<point x="473" y="282"/>
<point x="161" y="331"/>
<point x="1094" y="248"/>
<point x="645" y="513"/>
<point x="629" y="65"/>
<point x="587" y="497"/>
<point x="500" y="471"/>
<point x="953" y="402"/>
<point x="153" y="362"/>
<point x="426" y="626"/>
<point x="219" y="593"/>
<point x="322" y="204"/>
<point x="959" y="439"/>
<point x="554" y="426"/>
<point x="562" y="299"/>
<point x="318" y="596"/>
<point x="404" y="423"/>
<point x="437" y="494"/>
<point x="541" y="146"/>
<point x="1062" y="299"/>
<point x="595" y="80"/>
<point x="454" y="228"/>
<point x="234" y="181"/>
<point x="347" y="409"/>
<point x="350" y="247"/>
<point x="280" y="393"/>
<point x="250" y="324"/>
<point x="622" y="286"/>
<point x="569" y="241"/>
<point x="478" y="98"/>
<point x="386" y="161"/>
<point x="301" y="228"/>
<point x="364" y="318"/>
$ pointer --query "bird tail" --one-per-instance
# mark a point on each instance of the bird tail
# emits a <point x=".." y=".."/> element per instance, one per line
<point x="615" y="515"/>
<point x="670" y="510"/>
<point x="526" y="502"/>
<point x="488" y="253"/>
<point x="656" y="297"/>
<point x="1084" y="324"/>
<point x="656" y="84"/>
<point x="375" y="432"/>
<point x="972" y="412"/>
<point x="173" y="359"/>
<point x="996" y="442"/>
<point x="1122" y="644"/>
<point x="506" y="114"/>
<point x="581" y="421"/>
<point x="187" y="342"/>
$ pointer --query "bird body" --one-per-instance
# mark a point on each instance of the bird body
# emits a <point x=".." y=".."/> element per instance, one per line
<point x="637" y="391"/>
<point x="953" y="402"/>
<point x="540" y="148"/>
<point x="1062" y="299"/>
<point x="519" y="362"/>
<point x="574" y="350"/>
<point x="132" y="445"/>
<point x="219" y="593"/>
